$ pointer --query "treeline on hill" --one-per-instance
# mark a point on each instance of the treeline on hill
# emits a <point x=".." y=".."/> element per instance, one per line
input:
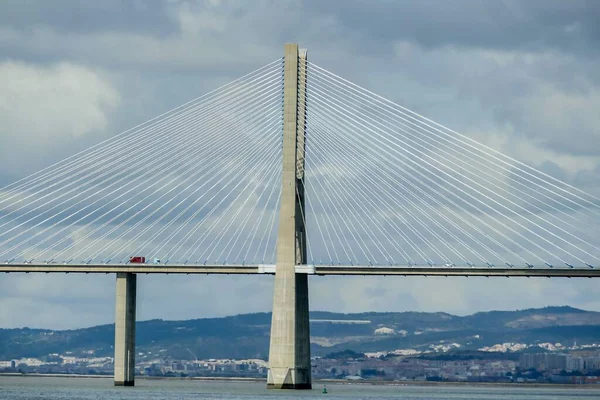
<point x="247" y="336"/>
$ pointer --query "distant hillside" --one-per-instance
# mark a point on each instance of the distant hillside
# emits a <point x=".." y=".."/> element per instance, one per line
<point x="247" y="336"/>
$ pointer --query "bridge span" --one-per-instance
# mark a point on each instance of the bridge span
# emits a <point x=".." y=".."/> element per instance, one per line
<point x="320" y="270"/>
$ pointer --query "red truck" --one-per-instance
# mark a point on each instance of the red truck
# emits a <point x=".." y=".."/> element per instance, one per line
<point x="137" y="260"/>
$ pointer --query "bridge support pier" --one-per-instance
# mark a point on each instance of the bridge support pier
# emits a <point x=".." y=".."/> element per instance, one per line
<point x="289" y="356"/>
<point x="125" y="329"/>
<point x="289" y="353"/>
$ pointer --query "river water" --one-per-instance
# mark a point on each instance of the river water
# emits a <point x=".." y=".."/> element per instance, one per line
<point x="38" y="388"/>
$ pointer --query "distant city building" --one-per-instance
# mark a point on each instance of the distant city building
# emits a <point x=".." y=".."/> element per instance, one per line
<point x="543" y="361"/>
<point x="575" y="363"/>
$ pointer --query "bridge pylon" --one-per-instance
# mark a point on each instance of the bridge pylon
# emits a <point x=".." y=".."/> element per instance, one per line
<point x="289" y="353"/>
<point x="124" y="362"/>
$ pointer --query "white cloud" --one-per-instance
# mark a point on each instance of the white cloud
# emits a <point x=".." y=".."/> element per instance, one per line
<point x="460" y="296"/>
<point x="43" y="104"/>
<point x="45" y="107"/>
<point x="504" y="140"/>
<point x="56" y="301"/>
<point x="59" y="301"/>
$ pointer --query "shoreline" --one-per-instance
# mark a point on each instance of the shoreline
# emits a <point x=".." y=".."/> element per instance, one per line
<point x="317" y="381"/>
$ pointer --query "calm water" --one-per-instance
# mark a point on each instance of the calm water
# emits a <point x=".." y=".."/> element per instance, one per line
<point x="30" y="388"/>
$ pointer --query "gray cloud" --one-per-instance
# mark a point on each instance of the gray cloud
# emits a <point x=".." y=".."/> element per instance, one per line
<point x="65" y="16"/>
<point x="507" y="25"/>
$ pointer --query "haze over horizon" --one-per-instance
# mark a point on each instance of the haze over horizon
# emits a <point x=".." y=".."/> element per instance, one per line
<point x="521" y="77"/>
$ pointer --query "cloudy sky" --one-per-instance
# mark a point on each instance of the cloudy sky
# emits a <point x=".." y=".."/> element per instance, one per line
<point x="521" y="77"/>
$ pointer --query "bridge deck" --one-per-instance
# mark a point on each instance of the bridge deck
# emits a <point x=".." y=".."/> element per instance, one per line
<point x="307" y="269"/>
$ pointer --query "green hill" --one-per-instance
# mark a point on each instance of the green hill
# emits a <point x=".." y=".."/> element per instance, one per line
<point x="247" y="336"/>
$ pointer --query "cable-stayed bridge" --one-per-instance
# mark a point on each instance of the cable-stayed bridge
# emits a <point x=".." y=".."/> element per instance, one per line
<point x="292" y="170"/>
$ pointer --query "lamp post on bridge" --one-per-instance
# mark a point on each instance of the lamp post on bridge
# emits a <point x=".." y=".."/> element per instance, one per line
<point x="289" y="353"/>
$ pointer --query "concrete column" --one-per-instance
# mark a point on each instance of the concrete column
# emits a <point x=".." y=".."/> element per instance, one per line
<point x="125" y="329"/>
<point x="289" y="354"/>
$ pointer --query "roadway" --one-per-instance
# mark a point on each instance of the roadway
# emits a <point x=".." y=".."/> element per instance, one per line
<point x="306" y="269"/>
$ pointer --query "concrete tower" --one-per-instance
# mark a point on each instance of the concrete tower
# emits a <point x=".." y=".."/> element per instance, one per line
<point x="125" y="329"/>
<point x="289" y="354"/>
